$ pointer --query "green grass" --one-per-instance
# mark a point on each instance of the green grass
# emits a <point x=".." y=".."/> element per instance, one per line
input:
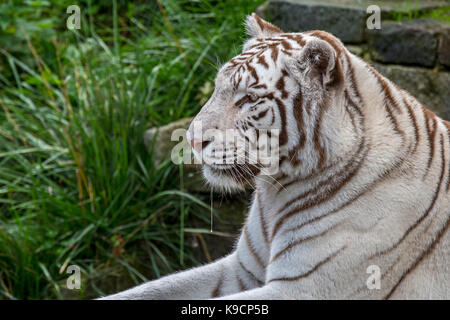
<point x="77" y="186"/>
<point x="411" y="11"/>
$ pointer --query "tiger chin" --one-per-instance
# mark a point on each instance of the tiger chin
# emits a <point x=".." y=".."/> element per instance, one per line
<point x="230" y="178"/>
<point x="359" y="205"/>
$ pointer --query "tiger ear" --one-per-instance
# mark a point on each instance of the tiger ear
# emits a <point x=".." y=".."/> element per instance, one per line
<point x="259" y="28"/>
<point x="317" y="64"/>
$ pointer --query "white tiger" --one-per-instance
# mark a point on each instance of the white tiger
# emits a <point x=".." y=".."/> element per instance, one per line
<point x="364" y="171"/>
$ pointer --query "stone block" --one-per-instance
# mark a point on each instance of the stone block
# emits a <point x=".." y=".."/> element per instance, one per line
<point x="412" y="42"/>
<point x="345" y="19"/>
<point x="430" y="87"/>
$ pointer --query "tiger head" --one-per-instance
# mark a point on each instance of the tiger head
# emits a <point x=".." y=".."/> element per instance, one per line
<point x="288" y="83"/>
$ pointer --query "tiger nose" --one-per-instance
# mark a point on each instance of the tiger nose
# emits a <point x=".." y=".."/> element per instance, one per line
<point x="198" y="145"/>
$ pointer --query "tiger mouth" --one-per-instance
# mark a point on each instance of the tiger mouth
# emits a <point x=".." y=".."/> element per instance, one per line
<point x="241" y="173"/>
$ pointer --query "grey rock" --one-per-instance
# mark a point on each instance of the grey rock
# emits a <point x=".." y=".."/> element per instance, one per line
<point x="345" y="19"/>
<point x="412" y="42"/>
<point x="158" y="140"/>
<point x="444" y="49"/>
<point x="358" y="50"/>
<point x="347" y="23"/>
<point x="430" y="87"/>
